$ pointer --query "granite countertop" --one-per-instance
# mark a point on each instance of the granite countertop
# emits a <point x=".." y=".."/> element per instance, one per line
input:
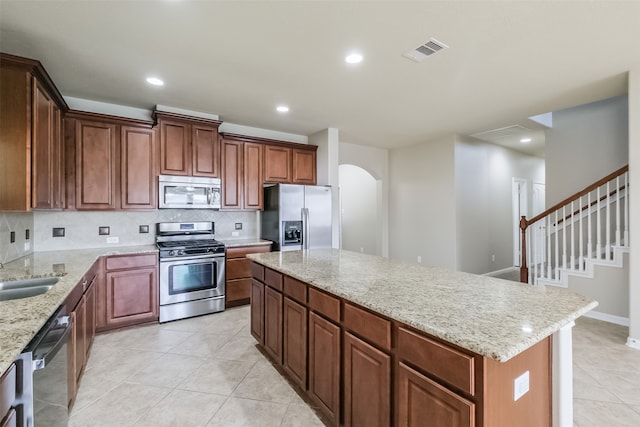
<point x="495" y="318"/>
<point x="21" y="319"/>
<point x="234" y="243"/>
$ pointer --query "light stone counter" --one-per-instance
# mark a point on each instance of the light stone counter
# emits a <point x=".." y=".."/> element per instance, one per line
<point x="235" y="243"/>
<point x="492" y="317"/>
<point x="21" y="319"/>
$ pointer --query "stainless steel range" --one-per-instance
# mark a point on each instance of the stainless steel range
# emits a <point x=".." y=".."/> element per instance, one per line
<point x="192" y="265"/>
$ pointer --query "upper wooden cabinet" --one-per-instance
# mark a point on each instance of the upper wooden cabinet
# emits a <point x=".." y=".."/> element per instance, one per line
<point x="31" y="159"/>
<point x="241" y="174"/>
<point x="303" y="166"/>
<point x="188" y="145"/>
<point x="290" y="164"/>
<point x="277" y="163"/>
<point x="115" y="162"/>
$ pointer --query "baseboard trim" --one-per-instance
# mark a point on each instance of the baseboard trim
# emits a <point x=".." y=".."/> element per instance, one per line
<point x="503" y="271"/>
<point x="610" y="318"/>
<point x="633" y="343"/>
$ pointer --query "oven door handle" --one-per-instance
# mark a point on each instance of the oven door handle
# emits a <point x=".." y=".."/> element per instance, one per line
<point x="189" y="258"/>
<point x="46" y="350"/>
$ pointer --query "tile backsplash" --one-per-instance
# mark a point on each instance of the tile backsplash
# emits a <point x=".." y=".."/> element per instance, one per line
<point x="18" y="223"/>
<point x="81" y="229"/>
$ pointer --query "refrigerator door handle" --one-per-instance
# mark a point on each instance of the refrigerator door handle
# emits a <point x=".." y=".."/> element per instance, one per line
<point x="306" y="228"/>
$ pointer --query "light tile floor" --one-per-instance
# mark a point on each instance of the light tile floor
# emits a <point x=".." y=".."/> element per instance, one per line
<point x="206" y="371"/>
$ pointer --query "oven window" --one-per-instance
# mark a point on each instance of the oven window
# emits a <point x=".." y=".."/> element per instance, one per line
<point x="192" y="277"/>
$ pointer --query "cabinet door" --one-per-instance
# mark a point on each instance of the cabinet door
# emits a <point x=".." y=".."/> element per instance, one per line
<point x="132" y="297"/>
<point x="58" y="166"/>
<point x="367" y="384"/>
<point x="257" y="311"/>
<point x="138" y="170"/>
<point x="303" y="167"/>
<point x="42" y="148"/>
<point x="232" y="186"/>
<point x="253" y="188"/>
<point x="175" y="148"/>
<point x="90" y="316"/>
<point x="206" y="151"/>
<point x="421" y="399"/>
<point x="294" y="357"/>
<point x="273" y="323"/>
<point x="96" y="165"/>
<point x="277" y="164"/>
<point x="79" y="339"/>
<point x="324" y="366"/>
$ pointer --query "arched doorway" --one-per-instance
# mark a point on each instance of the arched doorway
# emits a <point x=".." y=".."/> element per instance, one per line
<point x="359" y="223"/>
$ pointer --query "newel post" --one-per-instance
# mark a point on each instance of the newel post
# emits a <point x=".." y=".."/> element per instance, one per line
<point x="524" y="270"/>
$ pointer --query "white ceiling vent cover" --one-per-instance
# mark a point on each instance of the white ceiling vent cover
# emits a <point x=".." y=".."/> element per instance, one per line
<point x="425" y="50"/>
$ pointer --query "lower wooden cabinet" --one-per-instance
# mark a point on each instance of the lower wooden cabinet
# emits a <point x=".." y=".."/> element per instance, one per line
<point x="273" y="323"/>
<point x="294" y="356"/>
<point x="8" y="386"/>
<point x="421" y="399"/>
<point x="130" y="291"/>
<point x="238" y="273"/>
<point x="257" y="311"/>
<point x="324" y="366"/>
<point x="367" y="384"/>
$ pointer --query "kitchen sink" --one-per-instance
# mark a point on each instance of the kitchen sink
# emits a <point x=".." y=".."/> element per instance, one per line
<point x="17" y="289"/>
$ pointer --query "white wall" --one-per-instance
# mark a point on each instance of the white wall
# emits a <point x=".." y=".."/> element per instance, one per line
<point x="359" y="211"/>
<point x="586" y="143"/>
<point x="18" y="222"/>
<point x="376" y="162"/>
<point x="327" y="172"/>
<point x="484" y="175"/>
<point x="634" y="177"/>
<point x="422" y="203"/>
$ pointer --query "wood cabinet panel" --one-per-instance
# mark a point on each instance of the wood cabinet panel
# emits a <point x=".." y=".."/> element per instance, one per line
<point x="273" y="279"/>
<point x="257" y="311"/>
<point x="132" y="297"/>
<point x="7" y="389"/>
<point x="96" y="154"/>
<point x="257" y="271"/>
<point x="368" y="325"/>
<point x="241" y="252"/>
<point x="238" y="290"/>
<point x="42" y="148"/>
<point x="238" y="268"/>
<point x="367" y="384"/>
<point x="420" y="399"/>
<point x="273" y="323"/>
<point x="90" y="316"/>
<point x="294" y="357"/>
<point x="58" y="176"/>
<point x="138" y="168"/>
<point x="447" y="363"/>
<point x="232" y="177"/>
<point x="253" y="179"/>
<point x="295" y="289"/>
<point x="324" y="366"/>
<point x="206" y="151"/>
<point x="324" y="304"/>
<point x="78" y="340"/>
<point x="303" y="167"/>
<point x="175" y="148"/>
<point x="130" y="261"/>
<point x="277" y="164"/>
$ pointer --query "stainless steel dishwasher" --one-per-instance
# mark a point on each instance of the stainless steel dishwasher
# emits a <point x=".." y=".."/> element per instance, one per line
<point x="48" y="350"/>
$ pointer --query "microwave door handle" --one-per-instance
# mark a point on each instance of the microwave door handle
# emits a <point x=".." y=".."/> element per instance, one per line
<point x="209" y="195"/>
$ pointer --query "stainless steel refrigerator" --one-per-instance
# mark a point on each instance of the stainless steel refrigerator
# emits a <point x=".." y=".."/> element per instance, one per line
<point x="297" y="216"/>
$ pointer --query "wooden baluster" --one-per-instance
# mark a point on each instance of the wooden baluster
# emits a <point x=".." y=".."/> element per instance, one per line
<point x="607" y="243"/>
<point x="524" y="271"/>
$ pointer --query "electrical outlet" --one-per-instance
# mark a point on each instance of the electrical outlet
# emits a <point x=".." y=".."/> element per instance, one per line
<point x="520" y="386"/>
<point x="419" y="259"/>
<point x="113" y="239"/>
<point x="27" y="246"/>
<point x="493" y="257"/>
<point x="235" y="233"/>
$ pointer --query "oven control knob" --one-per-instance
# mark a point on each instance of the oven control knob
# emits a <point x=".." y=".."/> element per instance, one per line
<point x="180" y="252"/>
<point x="210" y="250"/>
<point x="172" y="253"/>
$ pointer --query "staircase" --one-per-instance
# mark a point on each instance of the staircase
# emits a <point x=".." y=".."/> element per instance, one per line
<point x="587" y="229"/>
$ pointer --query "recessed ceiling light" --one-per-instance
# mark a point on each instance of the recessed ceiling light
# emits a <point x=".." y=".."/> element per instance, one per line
<point x="282" y="109"/>
<point x="353" y="58"/>
<point x="525" y="140"/>
<point x="155" y="81"/>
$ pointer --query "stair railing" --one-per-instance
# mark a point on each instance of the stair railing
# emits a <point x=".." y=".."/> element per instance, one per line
<point x="585" y="226"/>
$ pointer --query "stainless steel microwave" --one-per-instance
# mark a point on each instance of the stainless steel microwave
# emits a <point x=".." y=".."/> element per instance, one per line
<point x="185" y="192"/>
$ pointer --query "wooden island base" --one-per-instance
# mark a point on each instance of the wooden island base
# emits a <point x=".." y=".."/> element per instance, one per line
<point x="365" y="369"/>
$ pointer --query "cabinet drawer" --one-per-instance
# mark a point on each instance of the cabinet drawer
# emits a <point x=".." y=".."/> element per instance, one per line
<point x="241" y="252"/>
<point x="273" y="279"/>
<point x="238" y="289"/>
<point x="295" y="289"/>
<point x="446" y="363"/>
<point x="257" y="271"/>
<point x="239" y="268"/>
<point x="127" y="262"/>
<point x="369" y="326"/>
<point x="324" y="304"/>
<point x="7" y="389"/>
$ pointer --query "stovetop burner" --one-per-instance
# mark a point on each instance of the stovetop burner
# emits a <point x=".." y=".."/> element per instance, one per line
<point x="187" y="239"/>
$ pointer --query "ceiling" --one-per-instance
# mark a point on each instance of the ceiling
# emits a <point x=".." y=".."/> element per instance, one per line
<point x="239" y="59"/>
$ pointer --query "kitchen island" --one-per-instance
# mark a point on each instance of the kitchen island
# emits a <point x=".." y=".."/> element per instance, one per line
<point x="476" y="345"/>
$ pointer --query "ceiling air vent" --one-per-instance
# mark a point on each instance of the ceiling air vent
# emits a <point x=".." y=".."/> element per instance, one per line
<point x="427" y="49"/>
